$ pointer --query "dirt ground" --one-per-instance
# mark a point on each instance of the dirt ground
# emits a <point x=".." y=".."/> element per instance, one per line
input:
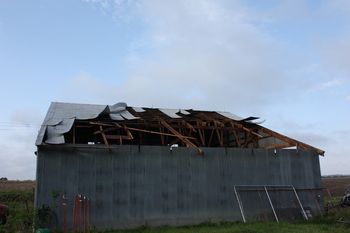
<point x="336" y="185"/>
<point x="12" y="185"/>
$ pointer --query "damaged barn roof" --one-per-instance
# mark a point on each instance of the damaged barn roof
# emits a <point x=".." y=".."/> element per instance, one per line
<point x="112" y="124"/>
<point x="60" y="117"/>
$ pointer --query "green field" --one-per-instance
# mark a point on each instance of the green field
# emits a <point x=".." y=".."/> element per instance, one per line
<point x="249" y="228"/>
<point x="21" y="220"/>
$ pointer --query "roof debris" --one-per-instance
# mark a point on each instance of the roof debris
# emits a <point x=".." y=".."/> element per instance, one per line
<point x="68" y="123"/>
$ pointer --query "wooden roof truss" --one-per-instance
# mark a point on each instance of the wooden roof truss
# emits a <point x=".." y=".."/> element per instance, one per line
<point x="197" y="130"/>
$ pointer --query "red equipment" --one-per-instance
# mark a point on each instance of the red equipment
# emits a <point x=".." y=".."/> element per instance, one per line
<point x="81" y="214"/>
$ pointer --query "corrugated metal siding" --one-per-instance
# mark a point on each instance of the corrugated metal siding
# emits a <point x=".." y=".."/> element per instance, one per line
<point x="131" y="186"/>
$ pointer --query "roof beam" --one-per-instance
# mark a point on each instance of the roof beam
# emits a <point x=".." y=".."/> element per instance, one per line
<point x="155" y="132"/>
<point x="291" y="141"/>
<point x="238" y="141"/>
<point x="181" y="137"/>
<point x="104" y="136"/>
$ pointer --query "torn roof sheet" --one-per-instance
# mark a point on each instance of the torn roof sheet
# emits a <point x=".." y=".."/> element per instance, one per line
<point x="118" y="112"/>
<point x="237" y="118"/>
<point x="173" y="113"/>
<point x="61" y="116"/>
<point x="138" y="109"/>
<point x="231" y="116"/>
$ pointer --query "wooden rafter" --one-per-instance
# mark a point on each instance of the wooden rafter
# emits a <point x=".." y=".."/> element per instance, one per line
<point x="199" y="129"/>
<point x="238" y="141"/>
<point x="104" y="136"/>
<point x="241" y="126"/>
<point x="290" y="141"/>
<point x="128" y="133"/>
<point x="180" y="136"/>
<point x="189" y="126"/>
<point x="161" y="135"/>
<point x="218" y="133"/>
<point x="201" y="137"/>
<point x="201" y="132"/>
<point x="211" y="137"/>
<point x="118" y="137"/>
<point x="249" y="138"/>
<point x="155" y="132"/>
<point x="100" y="123"/>
<point x="106" y="130"/>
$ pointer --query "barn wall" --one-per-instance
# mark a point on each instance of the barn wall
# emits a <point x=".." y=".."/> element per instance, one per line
<point x="131" y="186"/>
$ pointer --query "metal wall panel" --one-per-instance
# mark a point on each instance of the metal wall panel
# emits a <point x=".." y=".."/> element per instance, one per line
<point x="131" y="186"/>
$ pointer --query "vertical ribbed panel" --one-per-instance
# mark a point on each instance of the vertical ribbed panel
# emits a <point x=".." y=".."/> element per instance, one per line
<point x="131" y="186"/>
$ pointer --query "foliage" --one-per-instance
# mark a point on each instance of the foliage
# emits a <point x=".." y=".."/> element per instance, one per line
<point x="21" y="211"/>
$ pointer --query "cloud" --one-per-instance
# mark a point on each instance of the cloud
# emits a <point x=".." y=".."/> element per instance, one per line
<point x="332" y="141"/>
<point x="26" y="116"/>
<point x="17" y="138"/>
<point x="14" y="165"/>
<point x="343" y="5"/>
<point x="337" y="154"/>
<point x="228" y="55"/>
<point x="218" y="54"/>
<point x="309" y="132"/>
<point x="202" y="54"/>
<point x="334" y="54"/>
<point x="119" y="10"/>
<point x="17" y="153"/>
<point x="328" y="84"/>
<point x="313" y="138"/>
<point x="286" y="10"/>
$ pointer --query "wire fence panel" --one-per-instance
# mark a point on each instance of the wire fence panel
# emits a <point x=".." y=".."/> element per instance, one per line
<point x="279" y="203"/>
<point x="255" y="204"/>
<point x="286" y="204"/>
<point x="312" y="201"/>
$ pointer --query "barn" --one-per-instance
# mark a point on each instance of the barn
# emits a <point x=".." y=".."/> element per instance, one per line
<point x="117" y="166"/>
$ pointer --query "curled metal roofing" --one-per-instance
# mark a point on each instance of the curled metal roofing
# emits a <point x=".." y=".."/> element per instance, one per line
<point x="61" y="116"/>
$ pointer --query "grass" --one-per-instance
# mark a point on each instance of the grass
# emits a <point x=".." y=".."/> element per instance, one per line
<point x="21" y="208"/>
<point x="258" y="227"/>
<point x="21" y="218"/>
<point x="320" y="225"/>
<point x="332" y="200"/>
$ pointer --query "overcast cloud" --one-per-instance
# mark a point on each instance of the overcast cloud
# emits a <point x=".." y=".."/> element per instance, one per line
<point x="208" y="53"/>
<point x="285" y="61"/>
<point x="227" y="55"/>
<point x="202" y="54"/>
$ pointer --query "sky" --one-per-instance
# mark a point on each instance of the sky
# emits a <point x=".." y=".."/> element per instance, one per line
<point x="286" y="62"/>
